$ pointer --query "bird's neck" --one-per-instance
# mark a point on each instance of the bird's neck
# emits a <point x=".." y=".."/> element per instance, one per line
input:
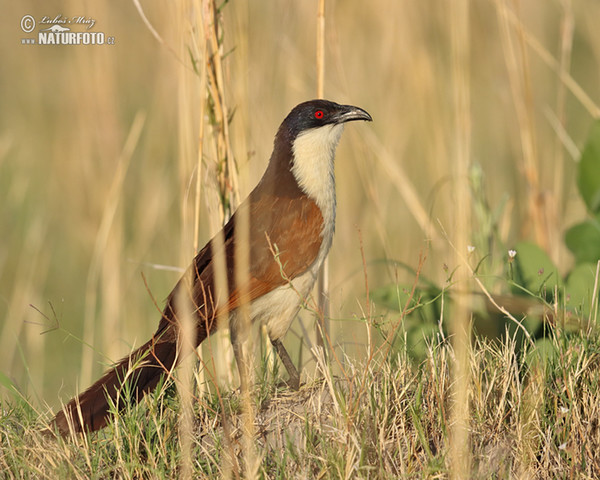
<point x="313" y="168"/>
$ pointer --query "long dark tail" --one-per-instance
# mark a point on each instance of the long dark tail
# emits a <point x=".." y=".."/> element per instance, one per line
<point x="142" y="369"/>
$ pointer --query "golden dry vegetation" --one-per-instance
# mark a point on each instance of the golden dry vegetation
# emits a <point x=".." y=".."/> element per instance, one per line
<point x="480" y="109"/>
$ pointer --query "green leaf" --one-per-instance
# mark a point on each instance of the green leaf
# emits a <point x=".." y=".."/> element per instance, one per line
<point x="588" y="174"/>
<point x="583" y="240"/>
<point x="579" y="287"/>
<point x="425" y="301"/>
<point x="535" y="271"/>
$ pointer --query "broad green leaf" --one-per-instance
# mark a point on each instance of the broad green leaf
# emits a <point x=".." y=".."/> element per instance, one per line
<point x="535" y="271"/>
<point x="588" y="175"/>
<point x="579" y="287"/>
<point x="395" y="297"/>
<point x="583" y="240"/>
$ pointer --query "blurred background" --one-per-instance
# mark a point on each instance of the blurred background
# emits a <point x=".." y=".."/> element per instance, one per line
<point x="99" y="147"/>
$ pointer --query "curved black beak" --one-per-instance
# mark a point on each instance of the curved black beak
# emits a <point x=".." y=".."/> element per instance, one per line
<point x="349" y="113"/>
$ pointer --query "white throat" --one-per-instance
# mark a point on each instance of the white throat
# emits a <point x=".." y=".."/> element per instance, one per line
<point x="313" y="168"/>
<point x="314" y="153"/>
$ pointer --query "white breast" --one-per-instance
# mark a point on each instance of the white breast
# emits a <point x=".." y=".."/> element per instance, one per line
<point x="278" y="308"/>
<point x="314" y="153"/>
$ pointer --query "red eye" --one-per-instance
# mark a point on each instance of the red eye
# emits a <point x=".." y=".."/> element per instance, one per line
<point x="319" y="114"/>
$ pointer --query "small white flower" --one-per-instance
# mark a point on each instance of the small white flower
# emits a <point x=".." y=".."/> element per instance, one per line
<point x="512" y="253"/>
<point x="564" y="410"/>
<point x="470" y="248"/>
<point x="562" y="446"/>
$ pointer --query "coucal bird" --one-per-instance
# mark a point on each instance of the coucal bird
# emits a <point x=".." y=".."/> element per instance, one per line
<point x="291" y="214"/>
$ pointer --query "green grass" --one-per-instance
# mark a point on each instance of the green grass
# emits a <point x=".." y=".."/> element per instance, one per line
<point x="532" y="414"/>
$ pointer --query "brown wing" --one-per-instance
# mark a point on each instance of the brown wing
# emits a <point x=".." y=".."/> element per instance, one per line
<point x="291" y="227"/>
<point x="285" y="238"/>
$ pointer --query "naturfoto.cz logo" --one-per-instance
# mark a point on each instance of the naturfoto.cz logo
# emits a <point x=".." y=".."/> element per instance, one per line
<point x="58" y="30"/>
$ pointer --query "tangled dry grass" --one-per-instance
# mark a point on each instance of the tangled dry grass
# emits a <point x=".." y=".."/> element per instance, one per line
<point x="532" y="414"/>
